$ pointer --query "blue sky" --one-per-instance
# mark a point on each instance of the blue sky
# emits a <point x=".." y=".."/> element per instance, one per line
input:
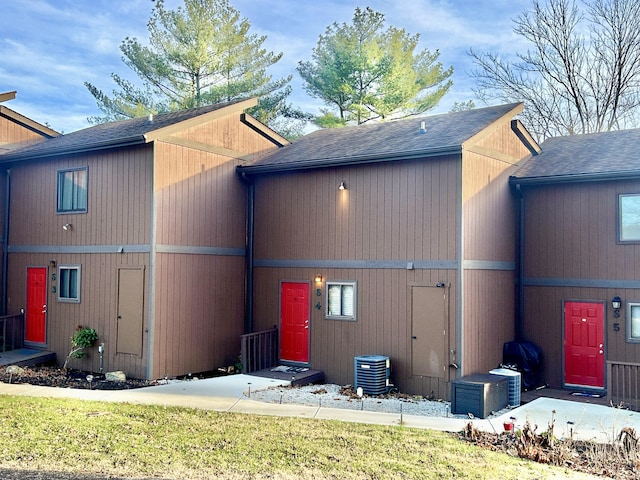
<point x="51" y="47"/>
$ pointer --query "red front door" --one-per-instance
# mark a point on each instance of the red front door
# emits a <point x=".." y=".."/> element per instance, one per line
<point x="294" y="322"/>
<point x="36" y="315"/>
<point x="584" y="357"/>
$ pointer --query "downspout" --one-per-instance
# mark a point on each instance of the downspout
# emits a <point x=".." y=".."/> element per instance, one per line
<point x="251" y="197"/>
<point x="519" y="326"/>
<point x="5" y="244"/>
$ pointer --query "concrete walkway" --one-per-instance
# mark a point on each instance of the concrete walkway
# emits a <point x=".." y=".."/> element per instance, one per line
<point x="233" y="394"/>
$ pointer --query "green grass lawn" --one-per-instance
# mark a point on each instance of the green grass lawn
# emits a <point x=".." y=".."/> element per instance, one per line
<point x="169" y="442"/>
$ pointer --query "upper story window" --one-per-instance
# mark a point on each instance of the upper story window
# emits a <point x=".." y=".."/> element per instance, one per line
<point x="69" y="283"/>
<point x="72" y="190"/>
<point x="341" y="301"/>
<point x="629" y="218"/>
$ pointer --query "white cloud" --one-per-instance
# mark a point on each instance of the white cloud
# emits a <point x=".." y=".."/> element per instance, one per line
<point x="51" y="47"/>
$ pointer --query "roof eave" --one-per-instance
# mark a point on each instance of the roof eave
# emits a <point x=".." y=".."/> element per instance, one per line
<point x="341" y="162"/>
<point x="574" y="178"/>
<point x="124" y="142"/>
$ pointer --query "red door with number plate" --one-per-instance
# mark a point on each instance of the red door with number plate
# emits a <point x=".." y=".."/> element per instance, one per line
<point x="584" y="358"/>
<point x="294" y="322"/>
<point x="35" y="330"/>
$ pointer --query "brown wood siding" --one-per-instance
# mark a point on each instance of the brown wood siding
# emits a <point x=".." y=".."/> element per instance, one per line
<point x="488" y="209"/>
<point x="200" y="200"/>
<point x="402" y="212"/>
<point x="199" y="311"/>
<point x="119" y="201"/>
<point x="97" y="309"/>
<point x="199" y="299"/>
<point x="383" y="325"/>
<point x="570" y="235"/>
<point x="399" y="211"/>
<point x="228" y="132"/>
<point x="118" y="214"/>
<point x="489" y="236"/>
<point x="488" y="318"/>
<point x="12" y="132"/>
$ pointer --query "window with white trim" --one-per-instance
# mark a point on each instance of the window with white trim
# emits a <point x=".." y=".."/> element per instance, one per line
<point x="72" y="191"/>
<point x="633" y="322"/>
<point x="69" y="283"/>
<point x="629" y="218"/>
<point x="341" y="301"/>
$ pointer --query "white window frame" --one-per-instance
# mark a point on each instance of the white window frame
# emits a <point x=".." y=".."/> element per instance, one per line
<point x="633" y="322"/>
<point x="79" y="189"/>
<point x="629" y="218"/>
<point x="64" y="290"/>
<point x="337" y="312"/>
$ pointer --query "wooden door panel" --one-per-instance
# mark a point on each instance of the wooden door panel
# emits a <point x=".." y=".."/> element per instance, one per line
<point x="429" y="332"/>
<point x="130" y="310"/>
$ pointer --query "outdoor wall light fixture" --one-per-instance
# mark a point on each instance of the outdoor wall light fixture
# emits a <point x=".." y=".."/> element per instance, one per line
<point x="342" y="186"/>
<point x="52" y="264"/>
<point x="318" y="278"/>
<point x="67" y="226"/>
<point x="616" y="303"/>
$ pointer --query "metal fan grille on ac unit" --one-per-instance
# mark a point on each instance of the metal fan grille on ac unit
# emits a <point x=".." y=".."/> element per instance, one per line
<point x="371" y="373"/>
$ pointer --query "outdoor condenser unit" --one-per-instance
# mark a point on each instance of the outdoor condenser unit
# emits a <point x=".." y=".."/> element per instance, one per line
<point x="371" y="373"/>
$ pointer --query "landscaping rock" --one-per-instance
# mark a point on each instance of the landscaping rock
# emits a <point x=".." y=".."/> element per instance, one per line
<point x="15" y="370"/>
<point x="118" y="376"/>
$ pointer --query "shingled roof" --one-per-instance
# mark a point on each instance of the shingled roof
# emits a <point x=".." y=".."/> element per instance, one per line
<point x="114" y="134"/>
<point x="596" y="156"/>
<point x="400" y="139"/>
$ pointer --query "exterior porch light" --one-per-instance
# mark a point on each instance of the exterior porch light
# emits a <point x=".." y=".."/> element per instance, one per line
<point x="318" y="278"/>
<point x="342" y="186"/>
<point x="616" y="302"/>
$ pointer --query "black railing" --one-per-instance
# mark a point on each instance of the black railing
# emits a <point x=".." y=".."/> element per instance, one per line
<point x="259" y="350"/>
<point x="12" y="331"/>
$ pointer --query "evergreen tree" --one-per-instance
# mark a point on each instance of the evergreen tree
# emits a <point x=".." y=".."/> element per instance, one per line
<point x="197" y="55"/>
<point x="367" y="73"/>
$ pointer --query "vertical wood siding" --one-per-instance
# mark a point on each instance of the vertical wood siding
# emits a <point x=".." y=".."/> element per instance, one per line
<point x="12" y="132"/>
<point x="570" y="235"/>
<point x="489" y="228"/>
<point x="198" y="313"/>
<point x="199" y="301"/>
<point x="228" y="132"/>
<point x="97" y="309"/>
<point x="401" y="212"/>
<point x="404" y="212"/>
<point x="200" y="202"/>
<point x="119" y="201"/>
<point x="383" y="323"/>
<point x="119" y="211"/>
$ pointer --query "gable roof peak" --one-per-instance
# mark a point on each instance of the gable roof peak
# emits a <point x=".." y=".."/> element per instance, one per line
<point x="382" y="141"/>
<point x="132" y="131"/>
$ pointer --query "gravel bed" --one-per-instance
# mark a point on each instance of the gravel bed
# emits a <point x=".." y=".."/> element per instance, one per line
<point x="335" y="396"/>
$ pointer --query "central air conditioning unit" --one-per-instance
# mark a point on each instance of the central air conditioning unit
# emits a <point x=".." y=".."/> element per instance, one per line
<point x="371" y="373"/>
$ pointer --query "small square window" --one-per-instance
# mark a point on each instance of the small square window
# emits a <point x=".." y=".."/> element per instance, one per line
<point x="629" y="218"/>
<point x="69" y="283"/>
<point x="72" y="191"/>
<point x="341" y="301"/>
